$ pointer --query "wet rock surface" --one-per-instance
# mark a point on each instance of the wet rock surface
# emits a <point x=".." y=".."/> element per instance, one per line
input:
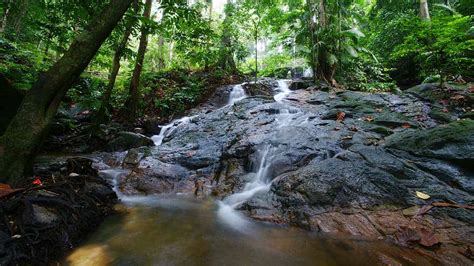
<point x="128" y="140"/>
<point x="343" y="162"/>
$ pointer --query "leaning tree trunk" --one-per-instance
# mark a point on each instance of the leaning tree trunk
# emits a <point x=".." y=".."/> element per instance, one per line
<point x="101" y="115"/>
<point x="27" y="130"/>
<point x="131" y="105"/>
<point x="424" y="10"/>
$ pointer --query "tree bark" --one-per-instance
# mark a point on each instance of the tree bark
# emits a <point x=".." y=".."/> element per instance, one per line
<point x="325" y="70"/>
<point x="26" y="131"/>
<point x="131" y="105"/>
<point x="424" y="10"/>
<point x="312" y="28"/>
<point x="227" y="62"/>
<point x="3" y="25"/>
<point x="161" y="59"/>
<point x="256" y="53"/>
<point x="101" y="115"/>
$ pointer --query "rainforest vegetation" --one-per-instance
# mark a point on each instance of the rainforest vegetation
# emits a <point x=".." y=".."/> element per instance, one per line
<point x="77" y="72"/>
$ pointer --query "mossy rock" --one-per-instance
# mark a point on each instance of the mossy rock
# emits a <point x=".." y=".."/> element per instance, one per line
<point x="128" y="140"/>
<point x="453" y="141"/>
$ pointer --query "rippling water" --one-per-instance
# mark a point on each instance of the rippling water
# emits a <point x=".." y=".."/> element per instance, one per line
<point x="181" y="230"/>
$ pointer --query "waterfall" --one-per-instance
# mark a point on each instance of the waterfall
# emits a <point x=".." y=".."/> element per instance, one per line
<point x="166" y="129"/>
<point x="283" y="90"/>
<point x="261" y="181"/>
<point x="308" y="73"/>
<point x="237" y="94"/>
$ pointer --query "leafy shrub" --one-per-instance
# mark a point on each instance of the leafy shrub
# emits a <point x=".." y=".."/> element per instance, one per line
<point x="442" y="46"/>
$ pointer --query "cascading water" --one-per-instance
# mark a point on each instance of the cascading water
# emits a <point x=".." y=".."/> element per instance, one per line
<point x="237" y="94"/>
<point x="113" y="175"/>
<point x="261" y="182"/>
<point x="308" y="73"/>
<point x="283" y="90"/>
<point x="166" y="129"/>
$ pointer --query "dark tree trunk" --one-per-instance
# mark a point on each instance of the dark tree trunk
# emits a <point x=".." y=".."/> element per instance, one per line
<point x="227" y="62"/>
<point x="161" y="59"/>
<point x="325" y="70"/>
<point x="102" y="114"/>
<point x="131" y="105"/>
<point x="27" y="130"/>
<point x="310" y="6"/>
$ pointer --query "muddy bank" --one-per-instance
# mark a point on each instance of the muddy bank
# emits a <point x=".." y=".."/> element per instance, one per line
<point x="45" y="219"/>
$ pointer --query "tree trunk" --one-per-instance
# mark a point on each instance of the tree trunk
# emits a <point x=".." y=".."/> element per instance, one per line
<point x="227" y="62"/>
<point x="131" y="106"/>
<point x="424" y="10"/>
<point x="256" y="53"/>
<point x="310" y="7"/>
<point x="26" y="131"/>
<point x="161" y="59"/>
<point x="101" y="115"/>
<point x="325" y="70"/>
<point x="6" y="6"/>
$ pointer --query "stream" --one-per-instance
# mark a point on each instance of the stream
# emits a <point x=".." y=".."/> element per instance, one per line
<point x="180" y="229"/>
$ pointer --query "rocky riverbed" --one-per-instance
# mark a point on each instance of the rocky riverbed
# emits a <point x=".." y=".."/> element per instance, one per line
<point x="382" y="166"/>
<point x="342" y="162"/>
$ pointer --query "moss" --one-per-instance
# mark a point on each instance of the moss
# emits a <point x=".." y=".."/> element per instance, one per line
<point x="453" y="141"/>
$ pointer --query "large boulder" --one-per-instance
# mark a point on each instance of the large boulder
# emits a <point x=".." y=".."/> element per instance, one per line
<point x="453" y="141"/>
<point x="300" y="84"/>
<point x="128" y="140"/>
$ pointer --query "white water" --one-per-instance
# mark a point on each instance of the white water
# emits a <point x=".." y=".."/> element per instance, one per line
<point x="283" y="90"/>
<point x="308" y="73"/>
<point x="237" y="94"/>
<point x="166" y="129"/>
<point x="261" y="181"/>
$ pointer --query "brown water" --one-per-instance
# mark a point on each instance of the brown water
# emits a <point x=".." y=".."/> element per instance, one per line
<point x="180" y="230"/>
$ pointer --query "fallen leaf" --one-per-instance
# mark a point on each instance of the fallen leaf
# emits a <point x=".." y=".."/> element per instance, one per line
<point x="379" y="110"/>
<point x="369" y="118"/>
<point x="452" y="205"/>
<point x="427" y="238"/>
<point x="411" y="211"/>
<point x="457" y="97"/>
<point x="340" y="116"/>
<point x="408" y="235"/>
<point x="337" y="129"/>
<point x="6" y="190"/>
<point x="406" y="125"/>
<point x="445" y="110"/>
<point x="422" y="195"/>
<point x="423" y="210"/>
<point x="346" y="138"/>
<point x="37" y="182"/>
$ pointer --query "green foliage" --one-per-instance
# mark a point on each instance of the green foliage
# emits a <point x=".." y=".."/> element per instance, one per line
<point x="173" y="92"/>
<point x="86" y="92"/>
<point x="20" y="63"/>
<point x="442" y="46"/>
